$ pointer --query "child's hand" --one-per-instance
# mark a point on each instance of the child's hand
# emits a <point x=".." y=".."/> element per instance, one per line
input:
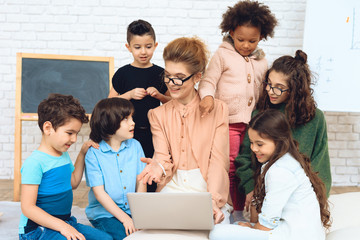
<point x="138" y="93"/>
<point x="254" y="215"/>
<point x="206" y="105"/>
<point x="248" y="200"/>
<point x="71" y="233"/>
<point x="245" y="224"/>
<point x="153" y="92"/>
<point x="87" y="145"/>
<point x="129" y="226"/>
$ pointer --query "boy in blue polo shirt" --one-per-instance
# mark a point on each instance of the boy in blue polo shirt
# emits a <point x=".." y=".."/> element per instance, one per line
<point x="48" y="175"/>
<point x="111" y="170"/>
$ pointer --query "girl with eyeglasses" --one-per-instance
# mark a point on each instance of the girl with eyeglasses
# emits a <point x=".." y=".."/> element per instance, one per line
<point x="191" y="152"/>
<point x="287" y="88"/>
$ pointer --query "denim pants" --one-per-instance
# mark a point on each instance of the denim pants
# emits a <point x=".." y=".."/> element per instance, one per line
<point x="110" y="225"/>
<point x="236" y="232"/>
<point x="42" y="233"/>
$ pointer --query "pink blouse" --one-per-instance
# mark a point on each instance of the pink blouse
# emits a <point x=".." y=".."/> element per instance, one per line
<point x="184" y="140"/>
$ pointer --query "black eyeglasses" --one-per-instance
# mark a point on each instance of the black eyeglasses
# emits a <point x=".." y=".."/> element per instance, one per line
<point x="177" y="81"/>
<point x="277" y="91"/>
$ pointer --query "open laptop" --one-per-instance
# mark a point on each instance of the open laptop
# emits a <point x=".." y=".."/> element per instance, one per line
<point x="191" y="211"/>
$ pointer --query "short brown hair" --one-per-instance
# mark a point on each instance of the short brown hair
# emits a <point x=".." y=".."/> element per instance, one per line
<point x="58" y="109"/>
<point x="107" y="116"/>
<point x="190" y="51"/>
<point x="139" y="28"/>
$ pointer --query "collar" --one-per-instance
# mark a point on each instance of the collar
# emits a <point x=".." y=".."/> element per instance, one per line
<point x="257" y="54"/>
<point x="263" y="166"/>
<point x="186" y="109"/>
<point x="280" y="107"/>
<point x="104" y="147"/>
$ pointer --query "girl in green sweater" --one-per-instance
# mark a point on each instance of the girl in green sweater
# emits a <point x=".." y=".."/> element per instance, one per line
<point x="287" y="87"/>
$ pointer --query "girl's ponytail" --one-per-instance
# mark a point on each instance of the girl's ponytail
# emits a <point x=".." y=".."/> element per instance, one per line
<point x="301" y="56"/>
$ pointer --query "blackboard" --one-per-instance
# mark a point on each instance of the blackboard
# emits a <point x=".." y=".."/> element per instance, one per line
<point x="87" y="81"/>
<point x="332" y="42"/>
<point x="38" y="75"/>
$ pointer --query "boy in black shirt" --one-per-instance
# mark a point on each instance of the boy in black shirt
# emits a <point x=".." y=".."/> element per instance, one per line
<point x="141" y="82"/>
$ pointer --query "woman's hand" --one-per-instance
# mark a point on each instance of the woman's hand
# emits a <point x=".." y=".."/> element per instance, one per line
<point x="152" y="171"/>
<point x="218" y="214"/>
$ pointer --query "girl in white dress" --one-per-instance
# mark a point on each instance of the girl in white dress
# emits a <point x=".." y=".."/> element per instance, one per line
<point x="289" y="201"/>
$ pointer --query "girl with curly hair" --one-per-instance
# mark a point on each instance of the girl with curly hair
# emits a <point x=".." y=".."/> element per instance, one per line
<point x="287" y="88"/>
<point x="234" y="75"/>
<point x="290" y="200"/>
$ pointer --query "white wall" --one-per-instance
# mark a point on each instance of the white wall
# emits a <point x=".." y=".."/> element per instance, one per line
<point x="98" y="28"/>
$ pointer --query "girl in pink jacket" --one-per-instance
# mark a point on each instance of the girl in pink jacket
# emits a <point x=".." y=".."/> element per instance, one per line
<point x="234" y="75"/>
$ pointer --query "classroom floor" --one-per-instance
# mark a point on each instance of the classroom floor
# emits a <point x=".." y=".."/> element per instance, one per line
<point x="80" y="194"/>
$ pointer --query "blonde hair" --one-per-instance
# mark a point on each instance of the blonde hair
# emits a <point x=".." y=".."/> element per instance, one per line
<point x="190" y="51"/>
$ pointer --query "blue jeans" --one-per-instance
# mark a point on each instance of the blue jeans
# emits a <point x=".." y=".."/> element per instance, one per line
<point x="110" y="225"/>
<point x="236" y="232"/>
<point x="42" y="233"/>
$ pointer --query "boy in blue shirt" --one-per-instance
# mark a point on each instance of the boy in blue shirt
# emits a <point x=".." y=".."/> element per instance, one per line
<point x="141" y="82"/>
<point x="111" y="169"/>
<point x="48" y="175"/>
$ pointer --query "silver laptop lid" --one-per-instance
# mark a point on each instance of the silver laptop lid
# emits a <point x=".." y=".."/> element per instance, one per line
<point x="191" y="211"/>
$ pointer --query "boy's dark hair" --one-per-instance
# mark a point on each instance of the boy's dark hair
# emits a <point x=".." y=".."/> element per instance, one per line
<point x="140" y="28"/>
<point x="107" y="116"/>
<point x="250" y="13"/>
<point x="58" y="109"/>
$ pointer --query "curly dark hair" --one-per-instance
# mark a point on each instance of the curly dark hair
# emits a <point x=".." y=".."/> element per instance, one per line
<point x="272" y="124"/>
<point x="301" y="106"/>
<point x="58" y="109"/>
<point x="139" y="28"/>
<point x="250" y="13"/>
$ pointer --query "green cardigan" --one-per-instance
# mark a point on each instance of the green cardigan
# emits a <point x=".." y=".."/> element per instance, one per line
<point x="313" y="142"/>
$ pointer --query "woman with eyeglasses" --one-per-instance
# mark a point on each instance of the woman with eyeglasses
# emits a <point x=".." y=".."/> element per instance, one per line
<point x="287" y="87"/>
<point x="191" y="152"/>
